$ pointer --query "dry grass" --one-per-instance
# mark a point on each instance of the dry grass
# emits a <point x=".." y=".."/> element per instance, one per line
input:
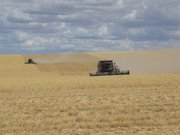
<point x="38" y="102"/>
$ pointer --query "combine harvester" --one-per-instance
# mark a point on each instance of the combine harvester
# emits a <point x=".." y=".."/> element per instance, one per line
<point x="30" y="61"/>
<point x="107" y="67"/>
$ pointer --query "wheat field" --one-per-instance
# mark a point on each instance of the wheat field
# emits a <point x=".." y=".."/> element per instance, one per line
<point x="58" y="97"/>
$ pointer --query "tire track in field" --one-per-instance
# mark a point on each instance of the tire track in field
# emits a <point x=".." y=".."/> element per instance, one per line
<point x="65" y="64"/>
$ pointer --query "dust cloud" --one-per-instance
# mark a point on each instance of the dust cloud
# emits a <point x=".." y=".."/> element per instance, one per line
<point x="138" y="62"/>
<point x="149" y="63"/>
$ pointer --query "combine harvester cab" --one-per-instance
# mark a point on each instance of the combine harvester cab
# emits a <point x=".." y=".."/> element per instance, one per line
<point x="30" y="61"/>
<point x="107" y="67"/>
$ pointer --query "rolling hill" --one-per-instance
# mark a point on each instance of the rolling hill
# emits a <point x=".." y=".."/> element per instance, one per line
<point x="138" y="62"/>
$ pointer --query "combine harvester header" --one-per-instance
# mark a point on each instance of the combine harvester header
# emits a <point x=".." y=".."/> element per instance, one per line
<point x="108" y="67"/>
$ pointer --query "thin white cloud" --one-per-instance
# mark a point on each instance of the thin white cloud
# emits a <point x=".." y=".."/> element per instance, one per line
<point x="103" y="31"/>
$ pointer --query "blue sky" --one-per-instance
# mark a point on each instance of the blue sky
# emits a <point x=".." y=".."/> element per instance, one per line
<point x="58" y="26"/>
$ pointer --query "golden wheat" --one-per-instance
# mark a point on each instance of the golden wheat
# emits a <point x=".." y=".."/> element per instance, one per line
<point x="36" y="101"/>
